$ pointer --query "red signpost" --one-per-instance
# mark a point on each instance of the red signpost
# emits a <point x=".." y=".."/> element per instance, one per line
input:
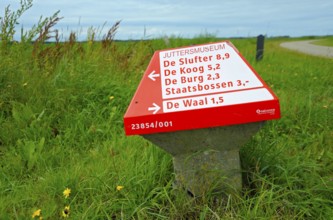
<point x="196" y="87"/>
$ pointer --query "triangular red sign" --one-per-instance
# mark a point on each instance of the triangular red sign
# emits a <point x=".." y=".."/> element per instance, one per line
<point x="196" y="87"/>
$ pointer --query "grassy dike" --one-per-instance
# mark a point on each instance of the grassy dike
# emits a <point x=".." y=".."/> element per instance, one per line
<point x="327" y="41"/>
<point x="61" y="127"/>
<point x="63" y="152"/>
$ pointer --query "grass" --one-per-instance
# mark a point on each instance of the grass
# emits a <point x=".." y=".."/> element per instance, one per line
<point x="61" y="110"/>
<point x="327" y="41"/>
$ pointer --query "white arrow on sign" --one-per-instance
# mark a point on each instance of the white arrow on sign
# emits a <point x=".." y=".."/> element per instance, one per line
<point x="156" y="108"/>
<point x="152" y="75"/>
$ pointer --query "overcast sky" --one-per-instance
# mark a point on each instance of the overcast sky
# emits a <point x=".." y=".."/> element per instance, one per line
<point x="157" y="18"/>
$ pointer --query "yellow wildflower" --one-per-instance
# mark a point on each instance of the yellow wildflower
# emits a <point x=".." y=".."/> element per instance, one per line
<point x="36" y="213"/>
<point x="120" y="188"/>
<point x="66" y="192"/>
<point x="65" y="212"/>
<point x="111" y="97"/>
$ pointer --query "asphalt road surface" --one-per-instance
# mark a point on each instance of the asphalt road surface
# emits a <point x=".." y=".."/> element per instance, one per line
<point x="308" y="48"/>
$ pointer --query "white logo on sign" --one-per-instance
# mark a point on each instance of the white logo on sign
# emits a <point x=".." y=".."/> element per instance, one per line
<point x="266" y="111"/>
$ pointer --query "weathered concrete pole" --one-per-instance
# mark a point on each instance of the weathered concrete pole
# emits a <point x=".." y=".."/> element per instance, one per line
<point x="207" y="159"/>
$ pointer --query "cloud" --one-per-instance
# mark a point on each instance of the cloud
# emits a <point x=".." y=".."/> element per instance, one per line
<point x="183" y="18"/>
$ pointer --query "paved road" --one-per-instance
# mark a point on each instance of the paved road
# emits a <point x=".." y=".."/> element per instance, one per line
<point x="308" y="48"/>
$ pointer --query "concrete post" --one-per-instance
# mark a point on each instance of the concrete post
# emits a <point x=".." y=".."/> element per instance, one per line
<point x="207" y="171"/>
<point x="207" y="160"/>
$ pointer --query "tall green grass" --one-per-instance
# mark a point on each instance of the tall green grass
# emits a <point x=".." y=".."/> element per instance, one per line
<point x="327" y="41"/>
<point x="61" y="126"/>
